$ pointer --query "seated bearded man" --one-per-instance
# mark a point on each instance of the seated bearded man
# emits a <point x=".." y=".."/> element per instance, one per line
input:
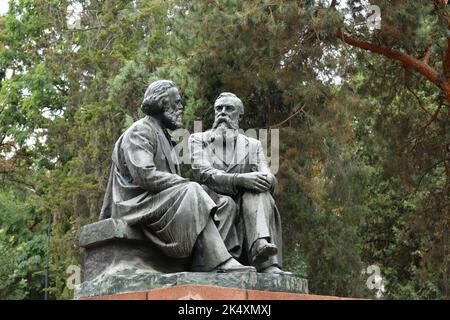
<point x="146" y="189"/>
<point x="232" y="165"/>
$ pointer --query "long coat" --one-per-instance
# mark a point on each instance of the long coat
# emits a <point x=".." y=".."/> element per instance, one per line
<point x="145" y="188"/>
<point x="258" y="214"/>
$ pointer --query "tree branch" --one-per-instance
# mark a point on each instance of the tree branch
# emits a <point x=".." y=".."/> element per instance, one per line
<point x="290" y="117"/>
<point x="333" y="4"/>
<point x="446" y="58"/>
<point x="426" y="56"/>
<point x="420" y="66"/>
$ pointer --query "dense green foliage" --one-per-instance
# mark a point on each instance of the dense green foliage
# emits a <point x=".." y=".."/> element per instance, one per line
<point x="364" y="161"/>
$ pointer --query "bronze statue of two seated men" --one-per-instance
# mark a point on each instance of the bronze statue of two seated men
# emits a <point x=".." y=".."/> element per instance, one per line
<point x="227" y="220"/>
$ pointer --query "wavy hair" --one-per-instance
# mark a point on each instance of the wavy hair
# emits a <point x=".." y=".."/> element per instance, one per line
<point x="155" y="96"/>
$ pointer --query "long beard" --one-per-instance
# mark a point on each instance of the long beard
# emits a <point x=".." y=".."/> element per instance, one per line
<point x="226" y="133"/>
<point x="224" y="140"/>
<point x="171" y="120"/>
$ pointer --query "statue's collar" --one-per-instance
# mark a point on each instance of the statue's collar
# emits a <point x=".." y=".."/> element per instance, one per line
<point x="156" y="123"/>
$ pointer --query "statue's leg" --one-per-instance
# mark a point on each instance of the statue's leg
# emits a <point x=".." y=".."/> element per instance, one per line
<point x="261" y="221"/>
<point x="209" y="250"/>
<point x="174" y="218"/>
<point x="225" y="219"/>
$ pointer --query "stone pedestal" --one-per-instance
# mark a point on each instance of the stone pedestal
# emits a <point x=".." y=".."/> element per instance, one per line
<point x="202" y="292"/>
<point x="127" y="280"/>
<point x="119" y="260"/>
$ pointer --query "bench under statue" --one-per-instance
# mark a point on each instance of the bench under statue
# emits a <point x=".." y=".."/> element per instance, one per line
<point x="111" y="243"/>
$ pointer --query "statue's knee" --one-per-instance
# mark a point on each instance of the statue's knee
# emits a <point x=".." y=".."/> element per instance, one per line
<point x="251" y="194"/>
<point x="258" y="197"/>
<point x="247" y="195"/>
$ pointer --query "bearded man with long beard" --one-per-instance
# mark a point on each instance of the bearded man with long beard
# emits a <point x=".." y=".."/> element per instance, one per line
<point x="233" y="166"/>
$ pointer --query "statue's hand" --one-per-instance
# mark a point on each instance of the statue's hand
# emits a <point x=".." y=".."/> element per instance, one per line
<point x="272" y="180"/>
<point x="255" y="181"/>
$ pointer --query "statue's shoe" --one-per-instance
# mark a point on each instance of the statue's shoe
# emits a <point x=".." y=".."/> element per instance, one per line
<point x="262" y="250"/>
<point x="232" y="265"/>
<point x="275" y="270"/>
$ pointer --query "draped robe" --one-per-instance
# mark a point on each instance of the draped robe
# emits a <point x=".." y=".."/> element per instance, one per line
<point x="145" y="189"/>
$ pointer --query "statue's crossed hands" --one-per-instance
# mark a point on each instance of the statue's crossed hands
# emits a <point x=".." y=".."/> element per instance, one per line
<point x="255" y="181"/>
